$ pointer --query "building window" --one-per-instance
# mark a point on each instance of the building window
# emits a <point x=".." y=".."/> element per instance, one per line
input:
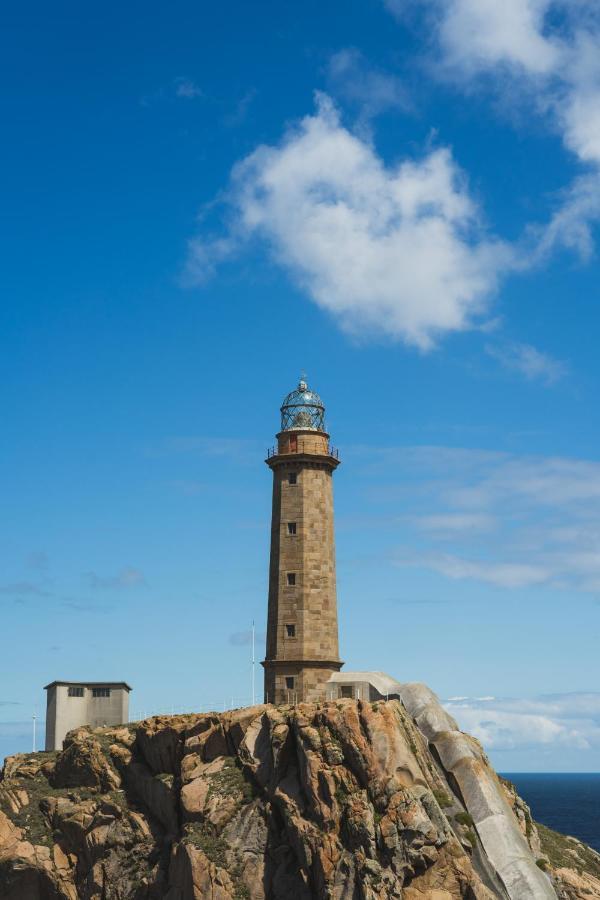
<point x="290" y="630"/>
<point x="293" y="479"/>
<point x="100" y="692"/>
<point x="291" y="528"/>
<point x="291" y="578"/>
<point x="289" y="682"/>
<point x="347" y="691"/>
<point x="75" y="692"/>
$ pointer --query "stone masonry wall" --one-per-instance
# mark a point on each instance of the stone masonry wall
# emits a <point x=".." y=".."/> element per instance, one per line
<point x="309" y="605"/>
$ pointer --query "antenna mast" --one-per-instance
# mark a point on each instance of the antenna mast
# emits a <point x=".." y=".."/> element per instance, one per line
<point x="253" y="666"/>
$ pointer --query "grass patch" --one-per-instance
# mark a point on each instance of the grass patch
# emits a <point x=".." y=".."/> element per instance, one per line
<point x="463" y="818"/>
<point x="166" y="778"/>
<point x="564" y="852"/>
<point x="471" y="837"/>
<point x="30" y="817"/>
<point x="203" y="836"/>
<point x="443" y="799"/>
<point x="341" y="793"/>
<point x="230" y="780"/>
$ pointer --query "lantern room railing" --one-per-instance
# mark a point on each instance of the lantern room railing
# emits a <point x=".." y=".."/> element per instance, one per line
<point x="307" y="447"/>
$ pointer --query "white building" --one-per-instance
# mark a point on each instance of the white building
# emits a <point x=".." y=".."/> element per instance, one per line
<point x="70" y="704"/>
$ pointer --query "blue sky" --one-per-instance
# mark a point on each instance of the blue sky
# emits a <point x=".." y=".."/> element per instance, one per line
<point x="399" y="198"/>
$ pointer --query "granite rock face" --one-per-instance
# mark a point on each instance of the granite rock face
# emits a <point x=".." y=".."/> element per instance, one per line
<point x="344" y="800"/>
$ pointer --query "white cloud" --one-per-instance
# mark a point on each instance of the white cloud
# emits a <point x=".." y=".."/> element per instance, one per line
<point x="478" y="34"/>
<point x="528" y="361"/>
<point x="545" y="53"/>
<point x="567" y="720"/>
<point x="398" y="251"/>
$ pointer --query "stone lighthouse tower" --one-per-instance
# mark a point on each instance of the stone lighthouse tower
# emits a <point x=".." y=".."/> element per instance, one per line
<point x="302" y="630"/>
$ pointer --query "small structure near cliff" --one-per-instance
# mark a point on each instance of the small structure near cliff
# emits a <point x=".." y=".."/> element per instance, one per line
<point x="70" y="704"/>
<point x="344" y="800"/>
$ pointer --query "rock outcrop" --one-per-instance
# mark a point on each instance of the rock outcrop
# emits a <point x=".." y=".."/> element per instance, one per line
<point x="344" y="800"/>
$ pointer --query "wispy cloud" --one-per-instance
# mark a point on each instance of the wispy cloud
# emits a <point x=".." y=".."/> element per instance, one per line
<point x="126" y="578"/>
<point x="396" y="251"/>
<point x="37" y="561"/>
<point x="238" y="449"/>
<point x="187" y="88"/>
<point x="544" y="513"/>
<point x="524" y="359"/>
<point x="453" y="523"/>
<point x="180" y="88"/>
<point x="84" y="606"/>
<point x="239" y="113"/>
<point x="24" y="589"/>
<point x="500" y="574"/>
<point x="371" y="90"/>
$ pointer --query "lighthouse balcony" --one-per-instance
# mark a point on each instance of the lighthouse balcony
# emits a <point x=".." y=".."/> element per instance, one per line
<point x="307" y="447"/>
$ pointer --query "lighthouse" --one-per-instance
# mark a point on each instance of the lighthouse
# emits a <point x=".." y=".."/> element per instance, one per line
<point x="302" y="650"/>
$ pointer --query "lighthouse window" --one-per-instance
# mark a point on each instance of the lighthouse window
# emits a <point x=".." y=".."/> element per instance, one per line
<point x="291" y="578"/>
<point x="291" y="528"/>
<point x="293" y="478"/>
<point x="291" y="630"/>
<point x="289" y="682"/>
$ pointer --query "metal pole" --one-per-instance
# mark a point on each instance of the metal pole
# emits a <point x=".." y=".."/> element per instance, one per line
<point x="34" y="732"/>
<point x="253" y="667"/>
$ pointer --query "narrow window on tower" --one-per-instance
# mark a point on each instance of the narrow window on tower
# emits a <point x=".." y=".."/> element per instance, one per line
<point x="291" y="528"/>
<point x="289" y="682"/>
<point x="291" y="578"/>
<point x="290" y="630"/>
<point x="293" y="479"/>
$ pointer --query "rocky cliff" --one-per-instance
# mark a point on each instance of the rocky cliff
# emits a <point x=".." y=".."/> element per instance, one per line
<point x="340" y="800"/>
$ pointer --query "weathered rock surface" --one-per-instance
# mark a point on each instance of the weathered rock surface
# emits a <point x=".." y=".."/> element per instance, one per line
<point x="344" y="800"/>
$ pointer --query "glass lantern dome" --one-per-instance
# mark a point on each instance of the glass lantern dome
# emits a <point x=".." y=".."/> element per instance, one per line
<point x="302" y="409"/>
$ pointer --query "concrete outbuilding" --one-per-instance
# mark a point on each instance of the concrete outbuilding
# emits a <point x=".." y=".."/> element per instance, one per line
<point x="70" y="704"/>
<point x="369" y="686"/>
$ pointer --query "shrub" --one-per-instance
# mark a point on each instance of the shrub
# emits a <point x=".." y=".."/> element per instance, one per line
<point x="463" y="818"/>
<point x="443" y="799"/>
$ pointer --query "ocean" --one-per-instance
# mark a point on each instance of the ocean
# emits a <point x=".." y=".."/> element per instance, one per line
<point x="567" y="803"/>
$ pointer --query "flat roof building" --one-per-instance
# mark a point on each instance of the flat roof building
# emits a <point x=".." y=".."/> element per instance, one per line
<point x="70" y="704"/>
